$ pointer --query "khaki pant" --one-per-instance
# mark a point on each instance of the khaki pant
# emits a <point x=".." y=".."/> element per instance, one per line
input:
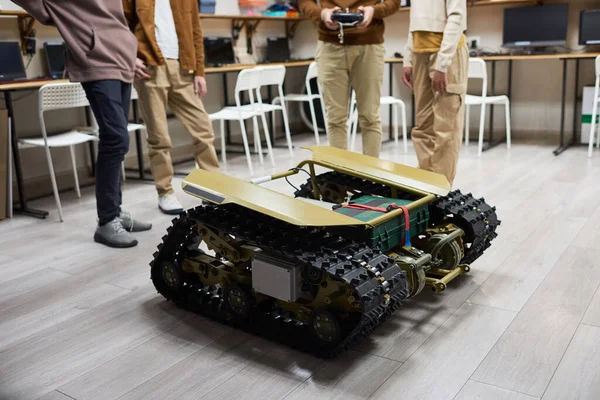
<point x="173" y="87"/>
<point x="439" y="117"/>
<point x="341" y="68"/>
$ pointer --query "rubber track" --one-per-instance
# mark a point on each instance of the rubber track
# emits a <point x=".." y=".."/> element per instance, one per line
<point x="341" y="259"/>
<point x="477" y="218"/>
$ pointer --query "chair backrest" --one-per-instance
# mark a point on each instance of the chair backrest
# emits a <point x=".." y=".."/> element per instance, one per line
<point x="598" y="66"/>
<point x="248" y="80"/>
<point x="272" y="75"/>
<point x="478" y="70"/>
<point x="58" y="96"/>
<point x="312" y="71"/>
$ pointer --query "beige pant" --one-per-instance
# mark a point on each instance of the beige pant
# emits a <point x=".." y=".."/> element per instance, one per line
<point x="341" y="68"/>
<point x="439" y="117"/>
<point x="173" y="87"/>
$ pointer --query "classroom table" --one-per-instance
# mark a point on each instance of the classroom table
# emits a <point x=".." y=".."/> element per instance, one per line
<point x="7" y="89"/>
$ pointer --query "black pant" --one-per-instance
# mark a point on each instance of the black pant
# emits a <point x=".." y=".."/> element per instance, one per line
<point x="110" y="102"/>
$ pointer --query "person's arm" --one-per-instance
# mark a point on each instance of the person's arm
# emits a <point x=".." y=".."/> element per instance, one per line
<point x="456" y="13"/>
<point x="198" y="42"/>
<point x="129" y="11"/>
<point x="385" y="8"/>
<point x="37" y="9"/>
<point x="407" y="56"/>
<point x="310" y="9"/>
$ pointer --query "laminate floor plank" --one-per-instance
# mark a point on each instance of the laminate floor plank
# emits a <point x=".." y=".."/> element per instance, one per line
<point x="480" y="391"/>
<point x="519" y="276"/>
<point x="54" y="395"/>
<point x="592" y="315"/>
<point x="353" y="376"/>
<point x="589" y="236"/>
<point x="53" y="357"/>
<point x="528" y="353"/>
<point x="578" y="375"/>
<point x="36" y="310"/>
<point x="142" y="363"/>
<point x="459" y="345"/>
<point x="278" y="369"/>
<point x="197" y="375"/>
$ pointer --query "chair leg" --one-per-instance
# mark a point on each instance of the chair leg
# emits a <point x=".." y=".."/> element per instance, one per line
<point x="54" y="185"/>
<point x="246" y="147"/>
<point x="404" y="129"/>
<point x="481" y="129"/>
<point x="74" y="164"/>
<point x="257" y="143"/>
<point x="354" y="129"/>
<point x="286" y="126"/>
<point x="592" y="127"/>
<point x="263" y="117"/>
<point x="508" y="143"/>
<point x="467" y="123"/>
<point x="223" y="145"/>
<point x="395" y="118"/>
<point x="313" y="116"/>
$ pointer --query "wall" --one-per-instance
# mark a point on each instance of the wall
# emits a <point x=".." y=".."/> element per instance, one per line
<point x="536" y="95"/>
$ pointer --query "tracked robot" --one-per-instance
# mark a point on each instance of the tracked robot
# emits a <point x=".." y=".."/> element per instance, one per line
<point x="321" y="269"/>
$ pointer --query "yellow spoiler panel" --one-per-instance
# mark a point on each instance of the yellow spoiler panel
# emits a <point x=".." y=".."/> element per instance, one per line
<point x="385" y="170"/>
<point x="219" y="188"/>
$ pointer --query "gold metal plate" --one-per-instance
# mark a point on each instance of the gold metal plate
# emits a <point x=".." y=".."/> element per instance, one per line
<point x="219" y="188"/>
<point x="383" y="170"/>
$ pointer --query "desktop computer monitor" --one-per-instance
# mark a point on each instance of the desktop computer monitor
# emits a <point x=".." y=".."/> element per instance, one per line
<point x="589" y="27"/>
<point x="536" y="26"/>
<point x="55" y="59"/>
<point x="218" y="51"/>
<point x="278" y="49"/>
<point x="11" y="66"/>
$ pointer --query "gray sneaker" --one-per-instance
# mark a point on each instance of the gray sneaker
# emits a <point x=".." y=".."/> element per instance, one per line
<point x="113" y="234"/>
<point x="132" y="225"/>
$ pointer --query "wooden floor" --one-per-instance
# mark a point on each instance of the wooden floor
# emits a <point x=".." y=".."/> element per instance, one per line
<point x="82" y="321"/>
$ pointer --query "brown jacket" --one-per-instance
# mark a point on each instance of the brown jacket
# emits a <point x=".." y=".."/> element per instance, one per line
<point x="99" y="44"/>
<point x="373" y="34"/>
<point x="140" y="16"/>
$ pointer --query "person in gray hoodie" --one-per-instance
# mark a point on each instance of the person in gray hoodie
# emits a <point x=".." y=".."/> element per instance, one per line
<point x="101" y="54"/>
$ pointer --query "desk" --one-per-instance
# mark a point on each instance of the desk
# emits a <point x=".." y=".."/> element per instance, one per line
<point x="7" y="89"/>
<point x="577" y="57"/>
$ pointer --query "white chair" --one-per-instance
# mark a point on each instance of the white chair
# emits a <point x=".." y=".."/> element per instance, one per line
<point x="384" y="101"/>
<point x="248" y="80"/>
<point x="275" y="76"/>
<point x="272" y="75"/>
<point x="478" y="70"/>
<point x="308" y="97"/>
<point x="595" y="110"/>
<point x="58" y="96"/>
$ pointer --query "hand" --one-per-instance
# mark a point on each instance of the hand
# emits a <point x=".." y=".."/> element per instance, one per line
<point x="200" y="86"/>
<point x="440" y="81"/>
<point x="140" y="70"/>
<point x="367" y="12"/>
<point x="407" y="76"/>
<point x="326" y="18"/>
